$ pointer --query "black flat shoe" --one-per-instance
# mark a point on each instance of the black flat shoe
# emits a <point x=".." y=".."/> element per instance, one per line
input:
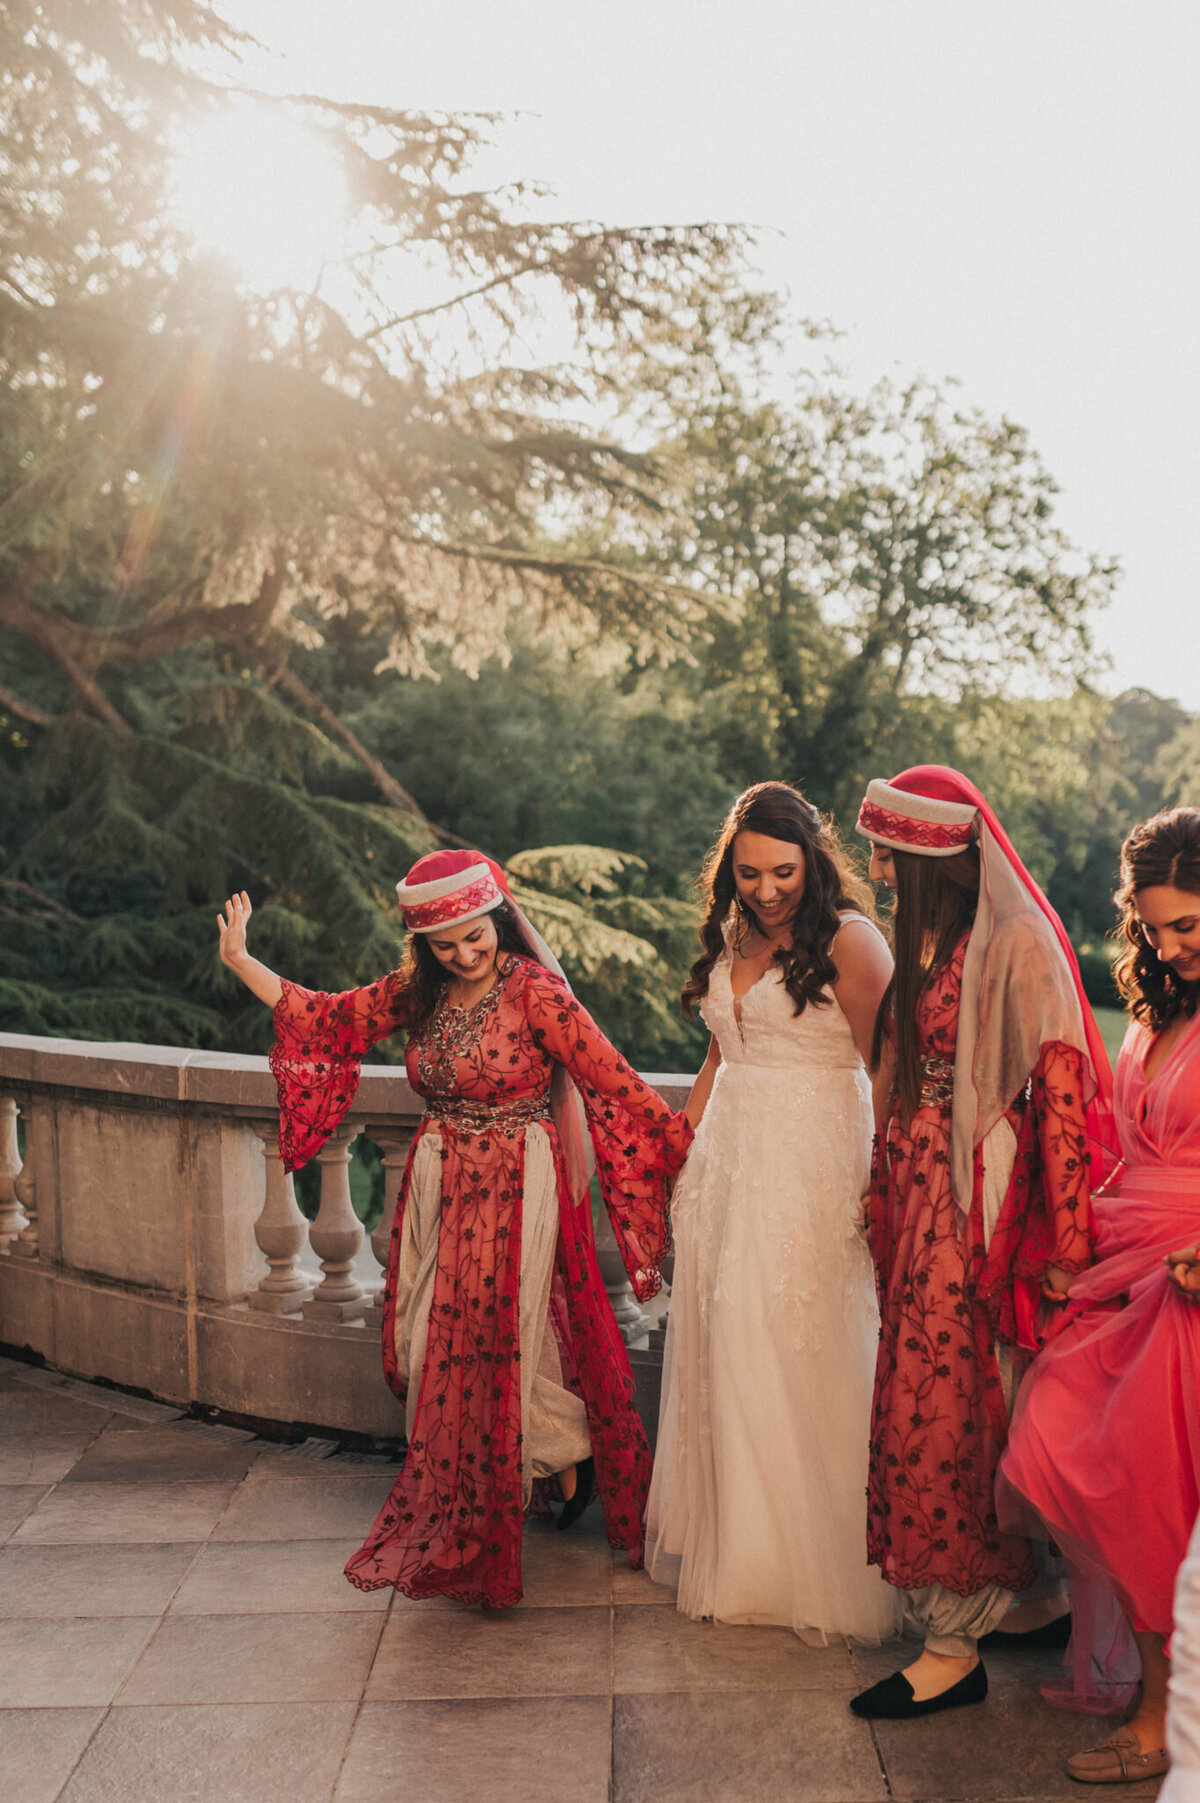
<point x="893" y="1697"/>
<point x="1056" y="1633"/>
<point x="581" y="1496"/>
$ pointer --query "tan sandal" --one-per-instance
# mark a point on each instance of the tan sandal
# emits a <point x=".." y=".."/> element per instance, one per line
<point x="1117" y="1760"/>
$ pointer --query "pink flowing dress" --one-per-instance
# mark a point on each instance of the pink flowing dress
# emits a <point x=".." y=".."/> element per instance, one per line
<point x="1106" y="1446"/>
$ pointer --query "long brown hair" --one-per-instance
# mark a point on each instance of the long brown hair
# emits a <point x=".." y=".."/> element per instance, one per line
<point x="779" y="811"/>
<point x="1163" y="852"/>
<point x="424" y="976"/>
<point x="936" y="900"/>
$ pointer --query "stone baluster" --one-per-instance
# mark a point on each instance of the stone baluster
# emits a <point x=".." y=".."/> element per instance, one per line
<point x="281" y="1231"/>
<point x="335" y="1236"/>
<point x="25" y="1186"/>
<point x="12" y="1219"/>
<point x="627" y="1311"/>
<point x="394" y="1142"/>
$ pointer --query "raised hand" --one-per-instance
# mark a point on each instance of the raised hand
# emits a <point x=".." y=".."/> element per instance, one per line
<point x="232" y="928"/>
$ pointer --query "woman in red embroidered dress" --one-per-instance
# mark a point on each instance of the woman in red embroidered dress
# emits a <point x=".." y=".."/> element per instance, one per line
<point x="498" y="1335"/>
<point x="988" y="1059"/>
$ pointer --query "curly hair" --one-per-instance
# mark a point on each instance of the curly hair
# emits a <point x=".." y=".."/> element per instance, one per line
<point x="780" y="811"/>
<point x="1163" y="852"/>
<point x="424" y="976"/>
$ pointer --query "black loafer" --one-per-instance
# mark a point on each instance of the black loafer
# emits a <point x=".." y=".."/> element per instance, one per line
<point x="581" y="1496"/>
<point x="893" y="1697"/>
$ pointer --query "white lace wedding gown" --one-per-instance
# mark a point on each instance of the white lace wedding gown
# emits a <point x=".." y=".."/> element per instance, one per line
<point x="757" y="1509"/>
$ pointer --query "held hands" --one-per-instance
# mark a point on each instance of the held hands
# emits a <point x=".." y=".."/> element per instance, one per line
<point x="1055" y="1284"/>
<point x="1183" y="1270"/>
<point x="232" y="928"/>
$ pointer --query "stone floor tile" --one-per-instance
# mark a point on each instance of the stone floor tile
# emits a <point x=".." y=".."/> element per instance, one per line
<point x="124" y="1513"/>
<point x="65" y="1581"/>
<point x="39" y="1458"/>
<point x="745" y="1747"/>
<point x="39" y="1749"/>
<point x="26" y="1410"/>
<point x="255" y="1659"/>
<point x="236" y="1753"/>
<point x="17" y="1502"/>
<point x="659" y="1649"/>
<point x="68" y="1664"/>
<point x="631" y="1587"/>
<point x="162" y="1455"/>
<point x="99" y="1396"/>
<point x="317" y="1508"/>
<point x="290" y="1462"/>
<point x="513" y="1653"/>
<point x="504" y="1750"/>
<point x="274" y="1577"/>
<point x="558" y="1571"/>
<point x="36" y="1376"/>
<point x="1011" y="1746"/>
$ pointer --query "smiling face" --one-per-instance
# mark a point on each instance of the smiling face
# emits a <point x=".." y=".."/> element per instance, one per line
<point x="1170" y="922"/>
<point x="769" y="874"/>
<point x="882" y="868"/>
<point x="467" y="951"/>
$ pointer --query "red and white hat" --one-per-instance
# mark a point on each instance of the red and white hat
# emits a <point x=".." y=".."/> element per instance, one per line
<point x="932" y="826"/>
<point x="446" y="888"/>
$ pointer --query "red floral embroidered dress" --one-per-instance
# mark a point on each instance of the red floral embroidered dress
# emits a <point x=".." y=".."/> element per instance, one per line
<point x="939" y="1420"/>
<point x="453" y="1523"/>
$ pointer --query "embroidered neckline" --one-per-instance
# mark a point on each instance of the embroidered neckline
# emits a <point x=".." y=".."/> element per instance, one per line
<point x="452" y="1032"/>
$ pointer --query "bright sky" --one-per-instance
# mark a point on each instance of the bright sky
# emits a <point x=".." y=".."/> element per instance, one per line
<point x="1001" y="191"/>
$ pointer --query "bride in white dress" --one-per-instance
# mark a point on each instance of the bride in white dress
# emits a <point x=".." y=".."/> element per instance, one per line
<point x="757" y="1509"/>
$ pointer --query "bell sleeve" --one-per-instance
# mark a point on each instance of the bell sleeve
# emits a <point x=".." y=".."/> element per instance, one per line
<point x="320" y="1042"/>
<point x="1046" y="1218"/>
<point x="640" y="1143"/>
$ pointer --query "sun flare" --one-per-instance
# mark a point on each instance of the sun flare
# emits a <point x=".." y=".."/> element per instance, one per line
<point x="266" y="192"/>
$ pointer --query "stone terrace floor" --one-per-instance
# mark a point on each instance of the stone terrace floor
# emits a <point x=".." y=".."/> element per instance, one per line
<point x="175" y="1628"/>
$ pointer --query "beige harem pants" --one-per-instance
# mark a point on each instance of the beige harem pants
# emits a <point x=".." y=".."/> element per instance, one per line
<point x="554" y="1421"/>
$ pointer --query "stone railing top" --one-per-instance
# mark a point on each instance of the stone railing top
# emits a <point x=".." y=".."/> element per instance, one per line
<point x="232" y="1080"/>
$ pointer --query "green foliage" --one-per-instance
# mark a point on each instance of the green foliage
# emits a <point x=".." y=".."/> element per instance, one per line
<point x="219" y="507"/>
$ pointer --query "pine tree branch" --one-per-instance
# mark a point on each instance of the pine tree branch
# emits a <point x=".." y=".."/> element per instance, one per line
<point x="25" y="710"/>
<point x="79" y="648"/>
<point x="50" y="632"/>
<point x="387" y="785"/>
<point x="54" y="910"/>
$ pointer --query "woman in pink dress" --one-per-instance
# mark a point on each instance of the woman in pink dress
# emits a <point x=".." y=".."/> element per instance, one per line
<point x="993" y="1083"/>
<point x="497" y="1333"/>
<point x="1106" y="1447"/>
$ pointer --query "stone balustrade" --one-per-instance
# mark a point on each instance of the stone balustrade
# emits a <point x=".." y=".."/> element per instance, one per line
<point x="149" y="1235"/>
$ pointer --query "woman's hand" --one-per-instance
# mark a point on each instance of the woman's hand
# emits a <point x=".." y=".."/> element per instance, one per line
<point x="1183" y="1270"/>
<point x="232" y="928"/>
<point x="1055" y="1284"/>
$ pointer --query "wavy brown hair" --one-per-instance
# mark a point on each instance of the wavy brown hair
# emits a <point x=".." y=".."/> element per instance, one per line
<point x="936" y="899"/>
<point x="423" y="976"/>
<point x="1163" y="852"/>
<point x="779" y="811"/>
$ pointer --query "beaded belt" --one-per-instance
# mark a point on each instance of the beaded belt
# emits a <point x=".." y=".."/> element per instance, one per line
<point x="937" y="1082"/>
<point x="489" y="1117"/>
